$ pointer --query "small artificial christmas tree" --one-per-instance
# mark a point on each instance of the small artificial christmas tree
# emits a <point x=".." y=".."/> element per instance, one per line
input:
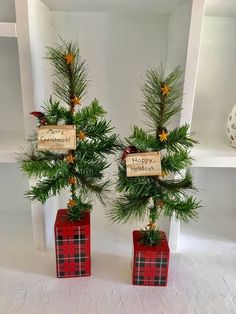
<point x="154" y="195"/>
<point x="81" y="169"/>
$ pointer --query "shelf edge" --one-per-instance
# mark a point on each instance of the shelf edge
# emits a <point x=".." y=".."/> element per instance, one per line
<point x="8" y="30"/>
<point x="214" y="162"/>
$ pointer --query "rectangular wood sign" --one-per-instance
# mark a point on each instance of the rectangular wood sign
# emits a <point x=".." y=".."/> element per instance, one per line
<point x="56" y="137"/>
<point x="143" y="164"/>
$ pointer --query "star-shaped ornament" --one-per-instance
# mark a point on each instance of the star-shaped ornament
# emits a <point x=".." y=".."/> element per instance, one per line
<point x="163" y="173"/>
<point x="72" y="181"/>
<point x="163" y="136"/>
<point x="70" y="159"/>
<point x="160" y="203"/>
<point x="165" y="89"/>
<point x="75" y="100"/>
<point x="69" y="57"/>
<point x="71" y="203"/>
<point x="81" y="135"/>
<point x="151" y="225"/>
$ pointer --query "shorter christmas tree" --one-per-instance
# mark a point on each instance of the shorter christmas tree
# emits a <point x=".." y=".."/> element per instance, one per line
<point x="81" y="170"/>
<point x="167" y="193"/>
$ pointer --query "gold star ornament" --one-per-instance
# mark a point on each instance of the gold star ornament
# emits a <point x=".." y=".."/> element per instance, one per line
<point x="81" y="135"/>
<point x="69" y="57"/>
<point x="75" y="100"/>
<point x="72" y="181"/>
<point x="70" y="159"/>
<point x="71" y="203"/>
<point x="165" y="89"/>
<point x="160" y="203"/>
<point x="163" y="173"/>
<point x="151" y="225"/>
<point x="163" y="136"/>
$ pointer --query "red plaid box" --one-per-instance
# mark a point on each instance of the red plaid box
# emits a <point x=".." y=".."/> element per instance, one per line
<point x="72" y="243"/>
<point x="150" y="264"/>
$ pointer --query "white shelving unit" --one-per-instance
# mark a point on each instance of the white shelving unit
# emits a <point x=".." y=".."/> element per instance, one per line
<point x="12" y="121"/>
<point x="11" y="126"/>
<point x="120" y="40"/>
<point x="212" y="152"/>
<point x="210" y="95"/>
<point x="215" y="93"/>
<point x="16" y="101"/>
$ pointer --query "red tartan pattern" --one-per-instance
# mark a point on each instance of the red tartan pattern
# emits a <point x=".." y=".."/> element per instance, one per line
<point x="72" y="243"/>
<point x="150" y="264"/>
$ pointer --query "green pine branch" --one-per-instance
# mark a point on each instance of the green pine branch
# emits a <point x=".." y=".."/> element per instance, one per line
<point x="184" y="209"/>
<point x="93" y="188"/>
<point x="76" y="212"/>
<point x="179" y="139"/>
<point x="150" y="237"/>
<point x="91" y="167"/>
<point x="47" y="188"/>
<point x="158" y="109"/>
<point x="135" y="186"/>
<point x="143" y="141"/>
<point x="128" y="208"/>
<point x="54" y="113"/>
<point x="106" y="145"/>
<point x="173" y="186"/>
<point x="98" y="129"/>
<point x="44" y="168"/>
<point x="175" y="162"/>
<point x="89" y="114"/>
<point x="69" y="80"/>
<point x="30" y="153"/>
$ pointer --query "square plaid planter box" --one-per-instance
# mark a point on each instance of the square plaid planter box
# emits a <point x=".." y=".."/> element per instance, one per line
<point x="72" y="243"/>
<point x="150" y="264"/>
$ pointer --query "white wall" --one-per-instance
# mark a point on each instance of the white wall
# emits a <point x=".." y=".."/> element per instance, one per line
<point x="217" y="194"/>
<point x="12" y="187"/>
<point x="215" y="93"/>
<point x="7" y="12"/>
<point x="178" y="33"/>
<point x="11" y="118"/>
<point x="12" y="183"/>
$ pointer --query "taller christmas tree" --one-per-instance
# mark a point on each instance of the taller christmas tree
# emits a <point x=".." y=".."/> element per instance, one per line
<point x="81" y="169"/>
<point x="167" y="192"/>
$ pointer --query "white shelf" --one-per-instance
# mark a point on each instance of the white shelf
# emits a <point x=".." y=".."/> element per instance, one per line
<point x="145" y="7"/>
<point x="211" y="105"/>
<point x="9" y="144"/>
<point x="214" y="153"/>
<point x="8" y="30"/>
